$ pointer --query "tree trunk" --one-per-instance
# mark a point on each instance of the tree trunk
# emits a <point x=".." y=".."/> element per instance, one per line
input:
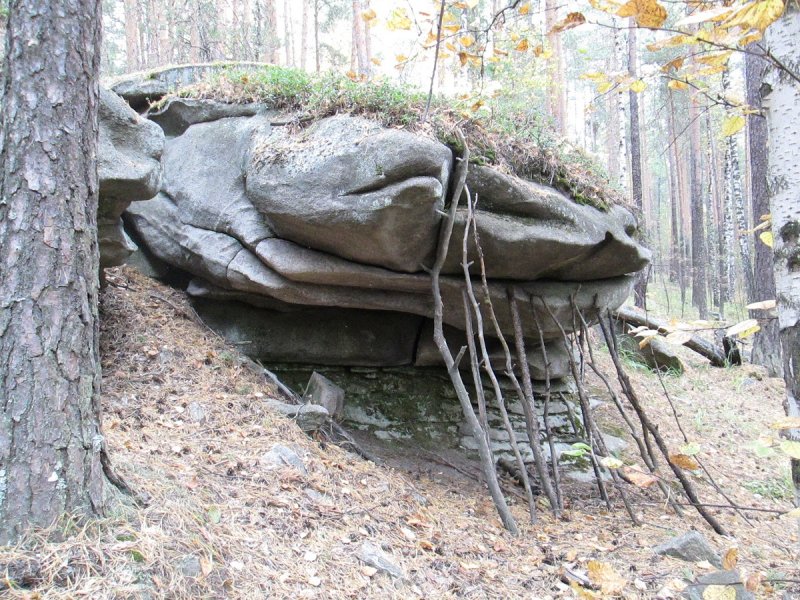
<point x="304" y="36"/>
<point x="556" y="98"/>
<point x="271" y="31"/>
<point x="50" y="438"/>
<point x="699" y="254"/>
<point x="733" y="190"/>
<point x="781" y="99"/>
<point x="132" y="59"/>
<point x="612" y="129"/>
<point x="767" y="341"/>
<point x="360" y="57"/>
<point x="640" y="288"/>
<point x="316" y="36"/>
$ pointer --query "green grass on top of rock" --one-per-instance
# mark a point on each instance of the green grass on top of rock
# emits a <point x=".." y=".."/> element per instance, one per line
<point x="517" y="141"/>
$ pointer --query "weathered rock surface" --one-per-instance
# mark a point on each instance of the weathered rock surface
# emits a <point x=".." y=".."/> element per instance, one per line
<point x="323" y="392"/>
<point x="529" y="231"/>
<point x="129" y="169"/>
<point x="139" y="89"/>
<point x="329" y="230"/>
<point x="691" y="547"/>
<point x="657" y="354"/>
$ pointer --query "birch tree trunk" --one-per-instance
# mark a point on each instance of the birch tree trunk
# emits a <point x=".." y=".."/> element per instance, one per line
<point x="782" y="102"/>
<point x="50" y="438"/>
<point x="735" y="200"/>
<point x="304" y="36"/>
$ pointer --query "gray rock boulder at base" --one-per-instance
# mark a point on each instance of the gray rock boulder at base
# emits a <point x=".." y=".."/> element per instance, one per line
<point x="691" y="547"/>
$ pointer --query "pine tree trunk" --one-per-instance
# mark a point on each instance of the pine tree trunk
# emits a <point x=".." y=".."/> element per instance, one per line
<point x="360" y="58"/>
<point x="781" y="100"/>
<point x="699" y="255"/>
<point x="271" y="32"/>
<point x="640" y="288"/>
<point x="767" y="341"/>
<point x="304" y="36"/>
<point x="555" y="90"/>
<point x="50" y="438"/>
<point x="132" y="58"/>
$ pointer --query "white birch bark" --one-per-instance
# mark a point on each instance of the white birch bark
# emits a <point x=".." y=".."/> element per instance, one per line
<point x="782" y="103"/>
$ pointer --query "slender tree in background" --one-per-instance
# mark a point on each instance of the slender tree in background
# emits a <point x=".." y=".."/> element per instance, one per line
<point x="640" y="289"/>
<point x="781" y="99"/>
<point x="699" y="254"/>
<point x="50" y="441"/>
<point x="133" y="59"/>
<point x="556" y="97"/>
<point x="360" y="60"/>
<point x="767" y="341"/>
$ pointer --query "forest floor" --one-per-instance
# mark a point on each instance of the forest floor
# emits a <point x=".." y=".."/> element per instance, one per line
<point x="187" y="427"/>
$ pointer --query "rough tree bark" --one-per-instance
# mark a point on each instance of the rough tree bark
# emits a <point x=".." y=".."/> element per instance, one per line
<point x="50" y="439"/>
<point x="781" y="99"/>
<point x="766" y="342"/>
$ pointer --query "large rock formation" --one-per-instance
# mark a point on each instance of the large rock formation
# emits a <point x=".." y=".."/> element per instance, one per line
<point x="328" y="232"/>
<point x="129" y="169"/>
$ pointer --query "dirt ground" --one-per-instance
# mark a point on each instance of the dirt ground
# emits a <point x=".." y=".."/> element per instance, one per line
<point x="188" y="428"/>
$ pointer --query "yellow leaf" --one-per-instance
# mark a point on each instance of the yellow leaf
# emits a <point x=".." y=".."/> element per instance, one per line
<point x="730" y="559"/>
<point x="538" y="51"/>
<point x="684" y="462"/>
<point x="573" y="19"/>
<point x="376" y="61"/>
<point x="368" y="15"/>
<point x="472" y="3"/>
<point x="767" y="238"/>
<point x="791" y="448"/>
<point x="646" y="341"/>
<point x="793" y="514"/>
<point x="611" y="462"/>
<point x="715" y="58"/>
<point x="750" y="38"/>
<point x="401" y="58"/>
<point x="638" y="86"/>
<point x="523" y="45"/>
<point x="398" y="20"/>
<point x="604" y="87"/>
<point x="674" y="64"/>
<point x="758" y="14"/>
<point x="604" y="575"/>
<point x="787" y="423"/>
<point x="646" y="13"/>
<point x="524" y="9"/>
<point x="676" y="84"/>
<point x="743" y="329"/>
<point x="463" y="58"/>
<point x="733" y="125"/>
<point x="719" y="592"/>
<point x="595" y="76"/>
<point x="466" y="40"/>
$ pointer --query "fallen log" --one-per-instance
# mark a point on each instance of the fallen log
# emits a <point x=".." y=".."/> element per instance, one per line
<point x="634" y="316"/>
